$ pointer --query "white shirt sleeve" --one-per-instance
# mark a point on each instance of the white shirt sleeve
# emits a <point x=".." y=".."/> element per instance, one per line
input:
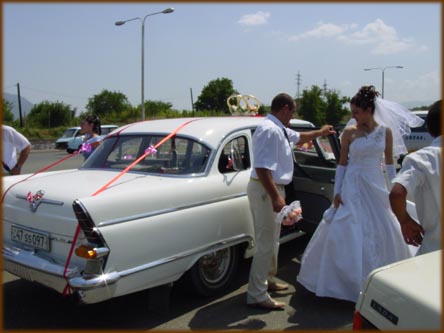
<point x="410" y="175"/>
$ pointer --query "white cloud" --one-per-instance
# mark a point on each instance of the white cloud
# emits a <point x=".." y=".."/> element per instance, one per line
<point x="383" y="38"/>
<point x="259" y="18"/>
<point x="380" y="37"/>
<point x="323" y="30"/>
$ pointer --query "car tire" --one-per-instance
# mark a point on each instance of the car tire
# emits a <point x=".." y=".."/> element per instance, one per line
<point x="213" y="273"/>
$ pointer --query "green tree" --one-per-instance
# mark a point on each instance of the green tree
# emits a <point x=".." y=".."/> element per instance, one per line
<point x="108" y="104"/>
<point x="321" y="107"/>
<point x="8" y="116"/>
<point x="50" y="114"/>
<point x="214" y="96"/>
<point x="335" y="112"/>
<point x="311" y="106"/>
<point x="156" y="109"/>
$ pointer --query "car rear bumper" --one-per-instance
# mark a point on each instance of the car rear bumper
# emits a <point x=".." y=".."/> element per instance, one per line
<point x="89" y="289"/>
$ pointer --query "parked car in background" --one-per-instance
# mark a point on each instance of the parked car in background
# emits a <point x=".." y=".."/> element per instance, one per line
<point x="405" y="295"/>
<point x="155" y="202"/>
<point x="68" y="135"/>
<point x="419" y="136"/>
<point x="76" y="142"/>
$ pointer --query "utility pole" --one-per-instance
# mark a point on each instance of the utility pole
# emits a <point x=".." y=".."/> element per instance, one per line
<point x="325" y="87"/>
<point x="192" y="102"/>
<point x="298" y="82"/>
<point x="19" y="104"/>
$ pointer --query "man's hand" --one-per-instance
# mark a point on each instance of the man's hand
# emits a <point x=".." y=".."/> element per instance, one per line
<point x="278" y="203"/>
<point x="412" y="232"/>
<point x="327" y="130"/>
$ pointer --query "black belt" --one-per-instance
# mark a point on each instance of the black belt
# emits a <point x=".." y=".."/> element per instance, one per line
<point x="257" y="180"/>
<point x="5" y="166"/>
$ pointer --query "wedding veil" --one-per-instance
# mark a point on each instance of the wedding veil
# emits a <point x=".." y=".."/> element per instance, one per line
<point x="398" y="118"/>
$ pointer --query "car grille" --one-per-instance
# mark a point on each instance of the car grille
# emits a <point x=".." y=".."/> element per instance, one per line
<point x="18" y="270"/>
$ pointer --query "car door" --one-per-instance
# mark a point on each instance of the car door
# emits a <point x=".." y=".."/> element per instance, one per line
<point x="313" y="179"/>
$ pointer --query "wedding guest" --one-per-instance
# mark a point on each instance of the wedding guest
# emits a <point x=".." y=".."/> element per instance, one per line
<point x="14" y="143"/>
<point x="273" y="168"/>
<point x="91" y="127"/>
<point x="420" y="176"/>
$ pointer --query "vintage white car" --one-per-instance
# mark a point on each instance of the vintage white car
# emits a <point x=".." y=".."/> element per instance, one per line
<point x="157" y="200"/>
<point x="405" y="295"/>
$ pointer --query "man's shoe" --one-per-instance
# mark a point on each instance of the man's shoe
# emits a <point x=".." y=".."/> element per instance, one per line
<point x="269" y="304"/>
<point x="277" y="286"/>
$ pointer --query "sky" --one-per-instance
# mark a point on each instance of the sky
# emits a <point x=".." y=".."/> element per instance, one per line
<point x="70" y="52"/>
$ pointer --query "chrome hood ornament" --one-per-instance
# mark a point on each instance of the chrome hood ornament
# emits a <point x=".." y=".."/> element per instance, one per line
<point x="35" y="200"/>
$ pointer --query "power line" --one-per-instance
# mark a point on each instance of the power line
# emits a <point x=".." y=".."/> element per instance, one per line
<point x="47" y="92"/>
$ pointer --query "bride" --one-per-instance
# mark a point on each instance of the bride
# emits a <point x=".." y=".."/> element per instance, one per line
<point x="363" y="234"/>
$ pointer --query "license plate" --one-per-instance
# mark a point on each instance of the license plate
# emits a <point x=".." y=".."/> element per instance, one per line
<point x="35" y="239"/>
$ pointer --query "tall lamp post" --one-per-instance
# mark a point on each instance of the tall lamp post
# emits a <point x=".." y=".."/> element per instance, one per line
<point x="165" y="11"/>
<point x="382" y="69"/>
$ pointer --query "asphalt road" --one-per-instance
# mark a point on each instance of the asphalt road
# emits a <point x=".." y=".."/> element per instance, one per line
<point x="27" y="306"/>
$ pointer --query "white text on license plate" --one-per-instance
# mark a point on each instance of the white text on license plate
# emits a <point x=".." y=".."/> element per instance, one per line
<point x="35" y="239"/>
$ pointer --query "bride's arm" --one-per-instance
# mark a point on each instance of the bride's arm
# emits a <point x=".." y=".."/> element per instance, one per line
<point x="388" y="153"/>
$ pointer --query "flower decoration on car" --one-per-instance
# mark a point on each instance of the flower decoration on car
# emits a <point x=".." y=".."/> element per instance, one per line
<point x="34" y="200"/>
<point x="150" y="150"/>
<point x="86" y="147"/>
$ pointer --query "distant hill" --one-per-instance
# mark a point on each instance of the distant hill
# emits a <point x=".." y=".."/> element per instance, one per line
<point x="13" y="99"/>
<point x="418" y="104"/>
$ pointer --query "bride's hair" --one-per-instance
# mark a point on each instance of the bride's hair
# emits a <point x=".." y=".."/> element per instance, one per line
<point x="365" y="98"/>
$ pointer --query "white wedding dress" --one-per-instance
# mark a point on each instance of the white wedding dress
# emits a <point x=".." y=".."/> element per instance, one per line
<point x="364" y="233"/>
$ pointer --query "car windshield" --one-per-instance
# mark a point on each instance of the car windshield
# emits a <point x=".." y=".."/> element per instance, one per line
<point x="177" y="155"/>
<point x="69" y="133"/>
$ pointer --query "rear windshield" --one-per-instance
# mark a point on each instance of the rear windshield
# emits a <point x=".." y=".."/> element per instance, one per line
<point x="177" y="155"/>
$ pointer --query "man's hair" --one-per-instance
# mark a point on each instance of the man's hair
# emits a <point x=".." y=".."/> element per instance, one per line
<point x="433" y="120"/>
<point x="280" y="100"/>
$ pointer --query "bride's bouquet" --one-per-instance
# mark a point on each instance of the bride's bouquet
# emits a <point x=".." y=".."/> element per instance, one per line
<point x="290" y="214"/>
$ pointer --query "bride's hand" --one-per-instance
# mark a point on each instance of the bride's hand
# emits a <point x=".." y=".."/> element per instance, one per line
<point x="337" y="200"/>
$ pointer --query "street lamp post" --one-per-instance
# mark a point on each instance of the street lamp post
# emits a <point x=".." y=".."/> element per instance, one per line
<point x="165" y="11"/>
<point x="382" y="69"/>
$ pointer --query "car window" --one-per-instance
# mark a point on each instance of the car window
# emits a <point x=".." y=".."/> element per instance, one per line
<point x="69" y="133"/>
<point x="318" y="152"/>
<point x="179" y="156"/>
<point x="106" y="130"/>
<point x="234" y="156"/>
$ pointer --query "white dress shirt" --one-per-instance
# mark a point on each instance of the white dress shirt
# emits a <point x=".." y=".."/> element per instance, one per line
<point x="13" y="141"/>
<point x="421" y="177"/>
<point x="272" y="150"/>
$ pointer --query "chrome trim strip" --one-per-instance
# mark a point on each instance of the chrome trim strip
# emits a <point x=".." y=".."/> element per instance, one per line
<point x="170" y="210"/>
<point x="83" y="283"/>
<point x="43" y="200"/>
<point x="203" y="250"/>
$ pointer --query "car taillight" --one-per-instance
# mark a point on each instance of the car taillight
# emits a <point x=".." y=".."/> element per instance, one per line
<point x="96" y="251"/>
<point x="90" y="252"/>
<point x="87" y="224"/>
